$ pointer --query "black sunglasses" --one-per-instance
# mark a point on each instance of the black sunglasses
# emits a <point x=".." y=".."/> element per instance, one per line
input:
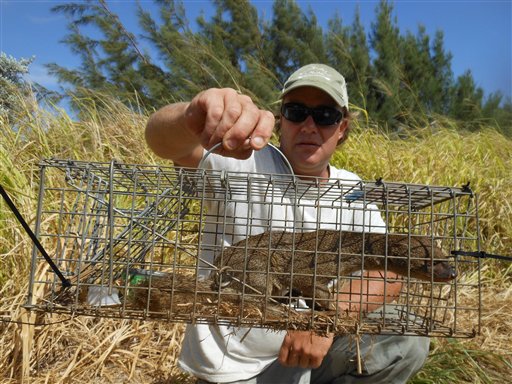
<point x="322" y="115"/>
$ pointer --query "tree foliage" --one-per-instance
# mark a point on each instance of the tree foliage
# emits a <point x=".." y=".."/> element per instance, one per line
<point x="385" y="85"/>
<point x="12" y="83"/>
<point x="398" y="78"/>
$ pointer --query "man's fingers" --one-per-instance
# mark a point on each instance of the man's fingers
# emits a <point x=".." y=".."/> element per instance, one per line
<point x="305" y="361"/>
<point x="303" y="349"/>
<point x="261" y="134"/>
<point x="252" y="123"/>
<point x="293" y="358"/>
<point x="222" y="111"/>
<point x="234" y="110"/>
<point x="223" y="115"/>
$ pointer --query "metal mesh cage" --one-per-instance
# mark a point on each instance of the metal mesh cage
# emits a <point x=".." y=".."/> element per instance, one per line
<point x="182" y="245"/>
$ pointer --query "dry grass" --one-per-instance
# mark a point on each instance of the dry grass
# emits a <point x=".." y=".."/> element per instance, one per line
<point x="44" y="348"/>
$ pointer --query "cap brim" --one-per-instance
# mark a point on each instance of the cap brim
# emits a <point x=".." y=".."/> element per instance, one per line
<point x="324" y="87"/>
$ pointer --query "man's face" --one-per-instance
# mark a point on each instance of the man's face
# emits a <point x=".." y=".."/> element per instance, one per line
<point x="309" y="146"/>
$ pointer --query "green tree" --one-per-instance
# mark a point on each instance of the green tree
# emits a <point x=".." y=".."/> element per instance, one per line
<point x="442" y="75"/>
<point x="498" y="113"/>
<point x="416" y="73"/>
<point x="236" y="38"/>
<point x="112" y="63"/>
<point x="88" y="73"/>
<point x="293" y="39"/>
<point x="12" y="83"/>
<point x="385" y="85"/>
<point x="182" y="73"/>
<point x="408" y="75"/>
<point x="358" y="83"/>
<point x="347" y="51"/>
<point x="337" y="46"/>
<point x="503" y="116"/>
<point x="466" y="101"/>
<point x="235" y="28"/>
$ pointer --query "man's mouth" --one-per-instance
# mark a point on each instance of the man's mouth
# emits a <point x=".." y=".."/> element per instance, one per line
<point x="308" y="143"/>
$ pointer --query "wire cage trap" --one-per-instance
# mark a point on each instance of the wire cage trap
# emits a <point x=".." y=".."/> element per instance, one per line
<point x="256" y="250"/>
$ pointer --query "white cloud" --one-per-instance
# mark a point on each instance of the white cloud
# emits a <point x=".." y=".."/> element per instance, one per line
<point x="39" y="74"/>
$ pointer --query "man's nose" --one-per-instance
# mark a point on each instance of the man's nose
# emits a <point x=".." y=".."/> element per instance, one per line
<point x="309" y="125"/>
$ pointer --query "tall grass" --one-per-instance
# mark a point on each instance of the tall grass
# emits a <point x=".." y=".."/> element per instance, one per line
<point x="59" y="349"/>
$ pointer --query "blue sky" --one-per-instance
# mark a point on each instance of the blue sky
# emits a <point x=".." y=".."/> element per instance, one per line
<point x="477" y="33"/>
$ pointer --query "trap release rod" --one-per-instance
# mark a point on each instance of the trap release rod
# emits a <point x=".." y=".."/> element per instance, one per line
<point x="482" y="255"/>
<point x="65" y="282"/>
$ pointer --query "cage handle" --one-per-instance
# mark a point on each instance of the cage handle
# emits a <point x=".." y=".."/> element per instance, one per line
<point x="212" y="149"/>
<point x="65" y="282"/>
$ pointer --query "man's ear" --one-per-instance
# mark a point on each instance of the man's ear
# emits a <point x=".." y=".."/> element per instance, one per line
<point x="342" y="130"/>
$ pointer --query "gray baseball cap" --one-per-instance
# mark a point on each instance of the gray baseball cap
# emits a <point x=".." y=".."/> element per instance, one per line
<point x="319" y="76"/>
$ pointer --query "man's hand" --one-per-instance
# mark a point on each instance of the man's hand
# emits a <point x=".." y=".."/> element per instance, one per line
<point x="304" y="349"/>
<point x="223" y="115"/>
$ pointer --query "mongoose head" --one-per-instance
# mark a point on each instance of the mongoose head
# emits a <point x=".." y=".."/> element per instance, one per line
<point x="423" y="261"/>
<point x="439" y="271"/>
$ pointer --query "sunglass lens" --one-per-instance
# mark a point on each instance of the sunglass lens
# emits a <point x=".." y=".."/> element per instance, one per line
<point x="326" y="116"/>
<point x="295" y="112"/>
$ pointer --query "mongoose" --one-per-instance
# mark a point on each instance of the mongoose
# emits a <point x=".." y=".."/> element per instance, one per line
<point x="315" y="257"/>
<point x="277" y="262"/>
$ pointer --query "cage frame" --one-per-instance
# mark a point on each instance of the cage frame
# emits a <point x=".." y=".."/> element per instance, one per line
<point x="420" y="197"/>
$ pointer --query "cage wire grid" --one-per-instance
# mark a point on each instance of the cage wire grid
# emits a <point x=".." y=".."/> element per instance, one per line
<point x="152" y="242"/>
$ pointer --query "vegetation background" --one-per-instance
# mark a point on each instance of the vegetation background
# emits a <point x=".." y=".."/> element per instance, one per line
<point x="414" y="123"/>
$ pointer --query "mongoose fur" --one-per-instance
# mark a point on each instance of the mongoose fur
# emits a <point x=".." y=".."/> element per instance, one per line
<point x="306" y="262"/>
<point x="316" y="258"/>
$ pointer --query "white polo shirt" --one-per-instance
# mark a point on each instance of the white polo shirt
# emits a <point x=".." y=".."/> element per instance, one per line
<point x="222" y="353"/>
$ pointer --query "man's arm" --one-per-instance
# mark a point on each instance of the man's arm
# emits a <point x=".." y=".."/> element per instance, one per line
<point x="168" y="136"/>
<point x="307" y="350"/>
<point x="180" y="131"/>
<point x="371" y="292"/>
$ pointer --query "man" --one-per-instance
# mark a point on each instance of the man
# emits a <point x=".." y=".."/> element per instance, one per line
<point x="314" y="121"/>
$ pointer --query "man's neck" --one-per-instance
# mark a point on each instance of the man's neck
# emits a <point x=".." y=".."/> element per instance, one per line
<point x="321" y="176"/>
